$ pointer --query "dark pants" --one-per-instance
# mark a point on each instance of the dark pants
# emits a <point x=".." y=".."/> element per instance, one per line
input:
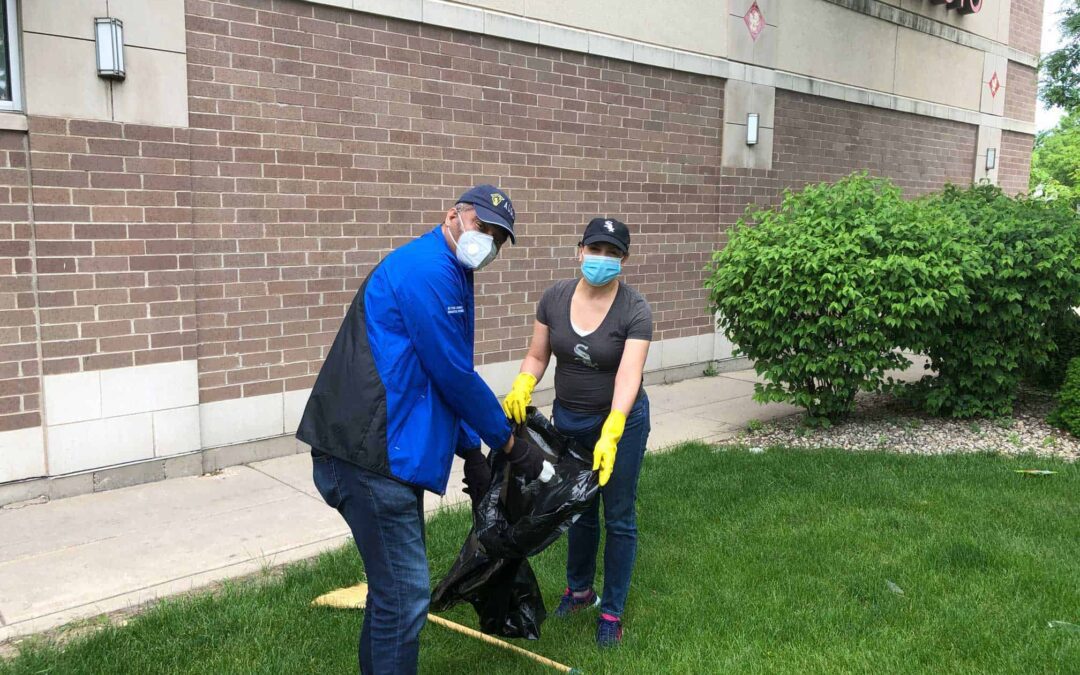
<point x="387" y="521"/>
<point x="620" y="513"/>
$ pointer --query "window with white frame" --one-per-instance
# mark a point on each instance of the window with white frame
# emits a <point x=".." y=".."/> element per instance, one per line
<point x="10" y="90"/>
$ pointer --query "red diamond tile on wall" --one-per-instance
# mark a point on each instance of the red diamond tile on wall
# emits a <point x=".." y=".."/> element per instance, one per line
<point x="995" y="84"/>
<point x="755" y="21"/>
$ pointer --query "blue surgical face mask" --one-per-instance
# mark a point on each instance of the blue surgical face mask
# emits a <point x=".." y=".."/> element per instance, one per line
<point x="599" y="270"/>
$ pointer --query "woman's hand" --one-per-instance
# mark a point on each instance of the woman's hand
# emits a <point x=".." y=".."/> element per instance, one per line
<point x="519" y="398"/>
<point x="608" y="445"/>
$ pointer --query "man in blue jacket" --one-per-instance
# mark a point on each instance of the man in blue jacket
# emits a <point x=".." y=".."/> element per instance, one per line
<point x="396" y="398"/>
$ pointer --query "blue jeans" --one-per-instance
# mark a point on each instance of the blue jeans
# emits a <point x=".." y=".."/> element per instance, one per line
<point x="620" y="513"/>
<point x="387" y="521"/>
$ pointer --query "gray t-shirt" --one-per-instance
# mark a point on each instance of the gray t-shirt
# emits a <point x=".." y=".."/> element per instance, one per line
<point x="585" y="366"/>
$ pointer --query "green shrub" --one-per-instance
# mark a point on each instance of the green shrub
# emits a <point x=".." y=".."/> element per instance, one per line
<point x="820" y="291"/>
<point x="1021" y="268"/>
<point x="1067" y="415"/>
<point x="1063" y="329"/>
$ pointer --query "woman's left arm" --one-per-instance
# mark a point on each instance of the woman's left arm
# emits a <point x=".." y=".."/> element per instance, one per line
<point x="628" y="377"/>
<point x="627" y="383"/>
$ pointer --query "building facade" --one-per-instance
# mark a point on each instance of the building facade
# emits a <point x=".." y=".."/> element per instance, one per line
<point x="179" y="246"/>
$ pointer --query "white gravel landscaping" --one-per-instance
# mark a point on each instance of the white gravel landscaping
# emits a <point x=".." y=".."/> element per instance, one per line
<point x="881" y="422"/>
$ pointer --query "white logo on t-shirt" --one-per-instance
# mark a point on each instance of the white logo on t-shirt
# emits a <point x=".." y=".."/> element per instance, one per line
<point x="581" y="350"/>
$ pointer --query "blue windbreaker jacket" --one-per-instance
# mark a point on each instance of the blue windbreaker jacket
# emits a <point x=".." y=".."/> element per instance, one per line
<point x="397" y="393"/>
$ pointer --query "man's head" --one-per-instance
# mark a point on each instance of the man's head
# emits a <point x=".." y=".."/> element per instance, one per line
<point x="491" y="206"/>
<point x="487" y="211"/>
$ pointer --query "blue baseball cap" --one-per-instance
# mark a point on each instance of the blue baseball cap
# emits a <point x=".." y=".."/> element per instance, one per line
<point x="492" y="206"/>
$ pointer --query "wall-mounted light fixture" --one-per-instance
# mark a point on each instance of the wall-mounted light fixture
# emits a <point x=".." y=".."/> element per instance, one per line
<point x="751" y="128"/>
<point x="109" y="35"/>
<point x="991" y="158"/>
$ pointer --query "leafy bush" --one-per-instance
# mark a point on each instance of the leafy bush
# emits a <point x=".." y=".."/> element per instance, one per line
<point x="1067" y="415"/>
<point x="822" y="289"/>
<point x="1021" y="268"/>
<point x="1063" y="329"/>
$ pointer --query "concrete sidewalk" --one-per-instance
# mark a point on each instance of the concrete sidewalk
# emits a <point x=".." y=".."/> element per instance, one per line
<point x="80" y="557"/>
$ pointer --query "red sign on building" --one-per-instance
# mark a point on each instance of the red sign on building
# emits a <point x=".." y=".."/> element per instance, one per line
<point x="962" y="6"/>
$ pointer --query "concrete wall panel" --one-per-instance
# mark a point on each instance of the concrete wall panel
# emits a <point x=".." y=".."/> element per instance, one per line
<point x="934" y="70"/>
<point x="693" y="25"/>
<point x="62" y="80"/>
<point x="834" y="43"/>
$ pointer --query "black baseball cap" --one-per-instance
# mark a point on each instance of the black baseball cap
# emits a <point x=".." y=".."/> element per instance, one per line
<point x="607" y="230"/>
<point x="492" y="206"/>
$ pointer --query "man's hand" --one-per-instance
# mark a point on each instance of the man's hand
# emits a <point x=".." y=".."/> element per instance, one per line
<point x="519" y="398"/>
<point x="525" y="457"/>
<point x="477" y="475"/>
<point x="606" y="447"/>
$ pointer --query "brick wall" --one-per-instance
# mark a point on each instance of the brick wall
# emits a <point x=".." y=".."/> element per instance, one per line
<point x="19" y="366"/>
<point x="1020" y="92"/>
<point x="1025" y="25"/>
<point x="321" y="139"/>
<point x="739" y="188"/>
<point x="325" y="138"/>
<point x="113" y="223"/>
<point x="1014" y="169"/>
<point x="818" y="139"/>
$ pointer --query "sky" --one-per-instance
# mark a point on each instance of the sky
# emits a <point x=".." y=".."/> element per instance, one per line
<point x="1051" y="40"/>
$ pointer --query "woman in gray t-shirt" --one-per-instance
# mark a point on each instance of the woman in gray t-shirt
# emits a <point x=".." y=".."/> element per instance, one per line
<point x="599" y="330"/>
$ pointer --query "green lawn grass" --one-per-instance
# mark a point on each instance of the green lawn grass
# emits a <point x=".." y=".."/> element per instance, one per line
<point x="748" y="563"/>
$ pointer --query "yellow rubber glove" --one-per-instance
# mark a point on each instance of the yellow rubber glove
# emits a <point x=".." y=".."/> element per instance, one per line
<point x="520" y="397"/>
<point x="604" y="452"/>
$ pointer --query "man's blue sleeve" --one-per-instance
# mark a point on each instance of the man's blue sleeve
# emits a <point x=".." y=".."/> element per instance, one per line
<point x="429" y="301"/>
<point x="467" y="440"/>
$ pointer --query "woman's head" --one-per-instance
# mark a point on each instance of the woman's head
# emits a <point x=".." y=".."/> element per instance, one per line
<point x="602" y="250"/>
<point x="606" y="236"/>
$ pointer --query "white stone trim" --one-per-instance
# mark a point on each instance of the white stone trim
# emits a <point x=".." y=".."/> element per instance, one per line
<point x="238" y="420"/>
<point x="72" y="397"/>
<point x="533" y="31"/>
<point x="13" y="121"/>
<point x="410" y="10"/>
<point x="22" y="454"/>
<point x="103" y="418"/>
<point x="293" y="404"/>
<point x="177" y="431"/>
<point x="160" y="386"/>
<point x="82" y="446"/>
<point x="107" y="452"/>
<point x="663" y="355"/>
<point x="877" y="99"/>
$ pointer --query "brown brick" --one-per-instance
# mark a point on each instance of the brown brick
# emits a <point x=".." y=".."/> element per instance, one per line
<point x="107" y="361"/>
<point x="20" y="421"/>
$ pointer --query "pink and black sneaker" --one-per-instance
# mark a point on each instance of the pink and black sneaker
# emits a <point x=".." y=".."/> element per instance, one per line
<point x="575" y="601"/>
<point x="608" y="631"/>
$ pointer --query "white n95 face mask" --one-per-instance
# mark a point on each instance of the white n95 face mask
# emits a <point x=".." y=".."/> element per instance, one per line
<point x="475" y="249"/>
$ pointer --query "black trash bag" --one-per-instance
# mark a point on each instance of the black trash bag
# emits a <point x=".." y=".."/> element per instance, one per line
<point x="518" y="518"/>
<point x="503" y="591"/>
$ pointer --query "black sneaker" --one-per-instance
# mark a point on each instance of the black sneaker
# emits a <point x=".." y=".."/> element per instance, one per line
<point x="608" y="631"/>
<point x="571" y="602"/>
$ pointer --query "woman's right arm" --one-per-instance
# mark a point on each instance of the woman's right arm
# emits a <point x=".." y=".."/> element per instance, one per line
<point x="536" y="361"/>
<point x="532" y="369"/>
